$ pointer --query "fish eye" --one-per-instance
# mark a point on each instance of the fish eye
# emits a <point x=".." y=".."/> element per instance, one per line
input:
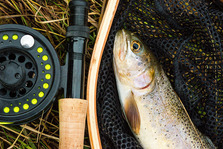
<point x="135" y="46"/>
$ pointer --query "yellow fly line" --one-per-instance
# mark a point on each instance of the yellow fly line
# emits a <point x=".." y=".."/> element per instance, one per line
<point x="5" y="123"/>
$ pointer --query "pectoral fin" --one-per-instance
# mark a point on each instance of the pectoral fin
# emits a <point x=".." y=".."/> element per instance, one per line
<point x="132" y="113"/>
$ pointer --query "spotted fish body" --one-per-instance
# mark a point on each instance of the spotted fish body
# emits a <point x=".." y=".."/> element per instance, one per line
<point x="153" y="110"/>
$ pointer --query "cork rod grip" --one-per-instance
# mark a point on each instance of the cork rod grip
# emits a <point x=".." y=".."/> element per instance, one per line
<point x="72" y="117"/>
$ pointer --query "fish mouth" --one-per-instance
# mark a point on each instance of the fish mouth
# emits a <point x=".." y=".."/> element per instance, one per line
<point x="121" y="44"/>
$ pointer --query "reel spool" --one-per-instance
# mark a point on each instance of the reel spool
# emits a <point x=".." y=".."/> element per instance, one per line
<point x="29" y="74"/>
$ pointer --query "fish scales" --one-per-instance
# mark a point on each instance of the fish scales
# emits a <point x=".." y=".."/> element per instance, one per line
<point x="153" y="110"/>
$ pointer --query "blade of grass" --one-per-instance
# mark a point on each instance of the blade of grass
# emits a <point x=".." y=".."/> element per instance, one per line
<point x="19" y="12"/>
<point x="12" y="16"/>
<point x="37" y="132"/>
<point x="23" y="143"/>
<point x="96" y="3"/>
<point x="49" y="21"/>
<point x="39" y="29"/>
<point x="66" y="12"/>
<point x="8" y="142"/>
<point x="45" y="143"/>
<point x="16" y="139"/>
<point x="38" y="12"/>
<point x="9" y="129"/>
<point x="2" y="9"/>
<point x="29" y="139"/>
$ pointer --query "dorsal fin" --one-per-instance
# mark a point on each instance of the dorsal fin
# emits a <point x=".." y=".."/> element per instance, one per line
<point x="132" y="113"/>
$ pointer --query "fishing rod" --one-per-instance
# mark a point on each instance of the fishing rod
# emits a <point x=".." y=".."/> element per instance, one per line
<point x="31" y="75"/>
<point x="73" y="109"/>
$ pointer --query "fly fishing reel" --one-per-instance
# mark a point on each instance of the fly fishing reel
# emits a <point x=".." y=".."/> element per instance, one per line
<point x="29" y="74"/>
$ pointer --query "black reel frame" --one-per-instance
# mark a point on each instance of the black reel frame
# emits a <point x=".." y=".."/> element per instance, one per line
<point x="29" y="74"/>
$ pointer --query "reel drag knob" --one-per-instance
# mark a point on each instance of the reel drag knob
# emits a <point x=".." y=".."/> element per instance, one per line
<point x="11" y="75"/>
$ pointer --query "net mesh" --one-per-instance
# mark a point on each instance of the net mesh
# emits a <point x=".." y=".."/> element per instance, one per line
<point x="186" y="37"/>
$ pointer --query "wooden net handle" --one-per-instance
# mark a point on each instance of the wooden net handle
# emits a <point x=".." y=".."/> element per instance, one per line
<point x="93" y="72"/>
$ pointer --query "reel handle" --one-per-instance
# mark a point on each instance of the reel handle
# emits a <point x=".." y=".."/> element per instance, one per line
<point x="72" y="115"/>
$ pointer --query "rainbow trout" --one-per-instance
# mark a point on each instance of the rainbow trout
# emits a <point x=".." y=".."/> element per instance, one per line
<point x="153" y="110"/>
